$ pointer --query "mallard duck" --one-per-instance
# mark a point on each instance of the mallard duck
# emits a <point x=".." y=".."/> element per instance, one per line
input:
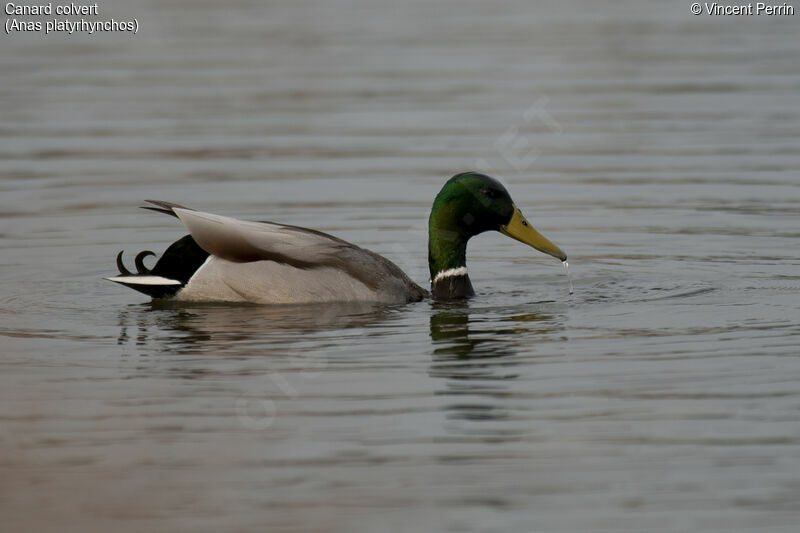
<point x="228" y="260"/>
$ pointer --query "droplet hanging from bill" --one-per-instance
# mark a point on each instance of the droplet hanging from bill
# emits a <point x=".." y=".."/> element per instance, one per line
<point x="569" y="278"/>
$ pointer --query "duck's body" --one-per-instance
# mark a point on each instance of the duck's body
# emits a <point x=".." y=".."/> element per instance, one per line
<point x="228" y="260"/>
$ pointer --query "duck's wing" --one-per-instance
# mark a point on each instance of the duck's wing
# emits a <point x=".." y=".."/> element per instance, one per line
<point x="241" y="241"/>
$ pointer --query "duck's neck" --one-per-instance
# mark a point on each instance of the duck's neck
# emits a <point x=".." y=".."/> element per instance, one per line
<point x="447" y="258"/>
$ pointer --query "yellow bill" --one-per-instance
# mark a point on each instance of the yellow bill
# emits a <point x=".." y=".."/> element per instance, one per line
<point x="519" y="228"/>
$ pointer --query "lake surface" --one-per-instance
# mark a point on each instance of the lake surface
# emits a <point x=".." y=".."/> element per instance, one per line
<point x="657" y="148"/>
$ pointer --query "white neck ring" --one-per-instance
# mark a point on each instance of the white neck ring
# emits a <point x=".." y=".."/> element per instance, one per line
<point x="460" y="271"/>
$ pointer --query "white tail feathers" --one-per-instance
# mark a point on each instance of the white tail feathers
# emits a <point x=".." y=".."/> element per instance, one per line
<point x="144" y="280"/>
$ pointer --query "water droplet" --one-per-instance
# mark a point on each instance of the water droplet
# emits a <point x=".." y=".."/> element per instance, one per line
<point x="569" y="278"/>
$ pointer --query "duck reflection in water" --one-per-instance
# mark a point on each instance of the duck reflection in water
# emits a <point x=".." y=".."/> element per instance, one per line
<point x="476" y="359"/>
<point x="234" y="329"/>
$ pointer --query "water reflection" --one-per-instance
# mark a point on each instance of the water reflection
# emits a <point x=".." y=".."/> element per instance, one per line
<point x="475" y="353"/>
<point x="460" y="356"/>
<point x="235" y="329"/>
<point x="458" y="345"/>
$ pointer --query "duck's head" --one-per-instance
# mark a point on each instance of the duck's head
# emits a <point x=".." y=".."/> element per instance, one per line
<point x="468" y="204"/>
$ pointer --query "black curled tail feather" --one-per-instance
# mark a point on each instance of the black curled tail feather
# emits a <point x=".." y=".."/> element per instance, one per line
<point x="121" y="266"/>
<point x="140" y="268"/>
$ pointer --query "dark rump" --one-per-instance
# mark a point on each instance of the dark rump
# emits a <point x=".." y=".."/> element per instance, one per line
<point x="179" y="262"/>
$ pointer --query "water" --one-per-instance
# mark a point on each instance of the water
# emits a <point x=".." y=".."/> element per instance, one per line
<point x="569" y="278"/>
<point x="658" y="149"/>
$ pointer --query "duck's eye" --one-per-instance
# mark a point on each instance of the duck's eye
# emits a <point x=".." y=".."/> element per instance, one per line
<point x="489" y="193"/>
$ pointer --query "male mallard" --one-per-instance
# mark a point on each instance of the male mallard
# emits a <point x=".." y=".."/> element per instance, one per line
<point x="228" y="260"/>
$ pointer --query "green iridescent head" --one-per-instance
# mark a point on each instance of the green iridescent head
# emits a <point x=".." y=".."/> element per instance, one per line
<point x="471" y="203"/>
